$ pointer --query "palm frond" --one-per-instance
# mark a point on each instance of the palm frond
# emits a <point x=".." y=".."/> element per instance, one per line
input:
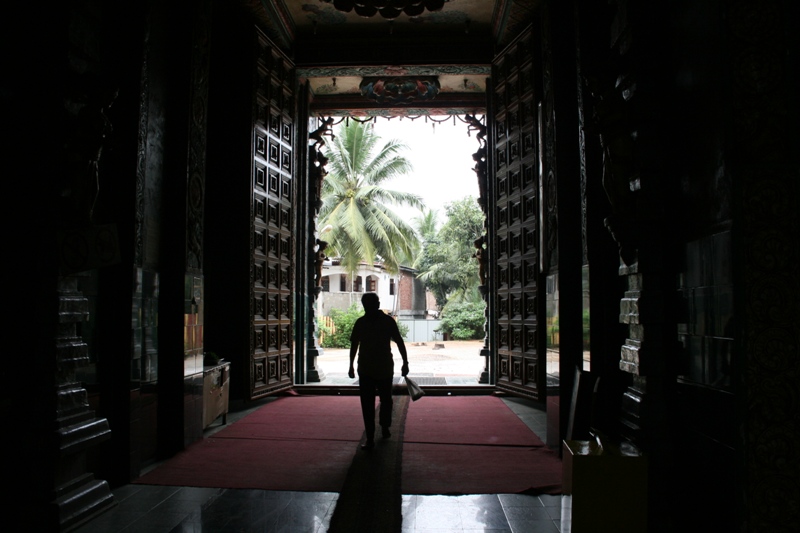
<point x="356" y="205"/>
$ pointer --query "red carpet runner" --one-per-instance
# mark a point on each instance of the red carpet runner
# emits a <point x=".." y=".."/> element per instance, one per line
<point x="303" y="443"/>
<point x="451" y="445"/>
<point x="474" y="445"/>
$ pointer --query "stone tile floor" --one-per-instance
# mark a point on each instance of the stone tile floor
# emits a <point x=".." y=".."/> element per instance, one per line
<point x="156" y="509"/>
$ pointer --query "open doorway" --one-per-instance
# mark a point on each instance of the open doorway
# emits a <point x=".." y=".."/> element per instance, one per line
<point x="433" y="287"/>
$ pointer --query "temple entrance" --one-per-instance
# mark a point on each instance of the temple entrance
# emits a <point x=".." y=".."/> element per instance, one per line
<point x="292" y="284"/>
<point x="519" y="250"/>
<point x="445" y="154"/>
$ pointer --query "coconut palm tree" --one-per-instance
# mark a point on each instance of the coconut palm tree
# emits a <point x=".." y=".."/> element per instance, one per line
<point x="357" y="206"/>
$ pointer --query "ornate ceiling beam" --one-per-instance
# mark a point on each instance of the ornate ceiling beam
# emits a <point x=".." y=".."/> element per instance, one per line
<point x="388" y="9"/>
<point x="473" y="103"/>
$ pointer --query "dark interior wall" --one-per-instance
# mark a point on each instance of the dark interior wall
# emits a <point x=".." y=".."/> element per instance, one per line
<point x="679" y="59"/>
<point x="762" y="138"/>
<point x="656" y="96"/>
<point x="128" y="50"/>
<point x="704" y="410"/>
<point x="27" y="103"/>
<point x="63" y="57"/>
<point x="707" y="84"/>
<point x="229" y="186"/>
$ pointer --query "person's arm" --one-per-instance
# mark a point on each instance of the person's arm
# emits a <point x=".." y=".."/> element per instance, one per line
<point x="353" y="350"/>
<point x="401" y="347"/>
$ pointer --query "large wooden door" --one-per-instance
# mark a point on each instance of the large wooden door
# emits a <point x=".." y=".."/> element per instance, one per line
<point x="515" y="192"/>
<point x="272" y="221"/>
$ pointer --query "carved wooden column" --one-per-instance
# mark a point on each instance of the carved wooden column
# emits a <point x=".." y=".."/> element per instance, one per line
<point x="644" y="354"/>
<point x="316" y="173"/>
<point x="616" y="99"/>
<point x="78" y="495"/>
<point x="628" y="116"/>
<point x="480" y="244"/>
<point x="648" y="350"/>
<point x="65" y="436"/>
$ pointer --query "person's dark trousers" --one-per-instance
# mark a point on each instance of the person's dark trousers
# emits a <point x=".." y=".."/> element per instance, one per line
<point x="367" y="388"/>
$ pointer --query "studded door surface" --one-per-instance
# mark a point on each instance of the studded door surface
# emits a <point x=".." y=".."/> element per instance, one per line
<point x="272" y="219"/>
<point x="521" y="364"/>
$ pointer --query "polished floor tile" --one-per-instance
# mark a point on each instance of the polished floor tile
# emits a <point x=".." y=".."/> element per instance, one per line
<point x="156" y="509"/>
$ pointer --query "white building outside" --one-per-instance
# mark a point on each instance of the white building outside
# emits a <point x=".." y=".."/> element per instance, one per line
<point x="339" y="290"/>
<point x="401" y="295"/>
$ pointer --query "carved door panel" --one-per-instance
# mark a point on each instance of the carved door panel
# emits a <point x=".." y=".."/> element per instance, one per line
<point x="272" y="221"/>
<point x="521" y="357"/>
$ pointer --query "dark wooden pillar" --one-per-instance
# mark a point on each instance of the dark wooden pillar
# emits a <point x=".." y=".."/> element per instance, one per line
<point x="626" y="88"/>
<point x="562" y="190"/>
<point x="184" y="46"/>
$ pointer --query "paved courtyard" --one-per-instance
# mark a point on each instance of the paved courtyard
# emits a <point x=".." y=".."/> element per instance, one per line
<point x="434" y="362"/>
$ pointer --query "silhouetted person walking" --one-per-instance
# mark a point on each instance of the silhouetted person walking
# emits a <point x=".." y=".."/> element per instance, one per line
<point x="371" y="339"/>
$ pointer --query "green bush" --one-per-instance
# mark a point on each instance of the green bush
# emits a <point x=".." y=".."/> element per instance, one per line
<point x="338" y="335"/>
<point x="403" y="329"/>
<point x="463" y="320"/>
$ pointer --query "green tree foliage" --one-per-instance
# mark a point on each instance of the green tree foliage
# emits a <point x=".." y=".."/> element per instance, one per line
<point x="426" y="224"/>
<point x="432" y="265"/>
<point x="338" y="335"/>
<point x="463" y="320"/>
<point x="446" y="264"/>
<point x="356" y="204"/>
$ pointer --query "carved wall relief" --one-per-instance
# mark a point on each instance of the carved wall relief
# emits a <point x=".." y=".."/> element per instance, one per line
<point x="198" y="132"/>
<point x="141" y="162"/>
